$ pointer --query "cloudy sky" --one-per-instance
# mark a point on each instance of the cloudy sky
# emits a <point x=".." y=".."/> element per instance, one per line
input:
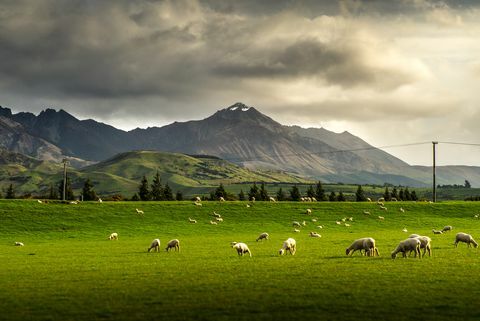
<point x="391" y="72"/>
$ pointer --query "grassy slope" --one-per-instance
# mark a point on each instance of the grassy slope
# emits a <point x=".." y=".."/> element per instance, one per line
<point x="76" y="274"/>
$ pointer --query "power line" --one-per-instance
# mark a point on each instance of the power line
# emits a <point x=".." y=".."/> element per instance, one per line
<point x="457" y="143"/>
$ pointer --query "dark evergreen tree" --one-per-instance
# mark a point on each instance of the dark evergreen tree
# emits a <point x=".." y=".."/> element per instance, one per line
<point x="10" y="193"/>
<point x="88" y="192"/>
<point x="68" y="190"/>
<point x="394" y="193"/>
<point x="135" y="197"/>
<point x="281" y="195"/>
<point x="320" y="193"/>
<point x="241" y="195"/>
<point x="52" y="194"/>
<point x="413" y="196"/>
<point x="387" y="196"/>
<point x="406" y="194"/>
<point x="294" y="193"/>
<point x="143" y="192"/>
<point x="467" y="184"/>
<point x="179" y="196"/>
<point x="253" y="193"/>
<point x="263" y="193"/>
<point x="341" y="197"/>
<point x="311" y="192"/>
<point x="401" y="196"/>
<point x="168" y="193"/>
<point x="360" y="195"/>
<point x="332" y="197"/>
<point x="220" y="192"/>
<point x="157" y="193"/>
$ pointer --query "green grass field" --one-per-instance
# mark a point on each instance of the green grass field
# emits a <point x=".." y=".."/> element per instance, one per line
<point x="68" y="270"/>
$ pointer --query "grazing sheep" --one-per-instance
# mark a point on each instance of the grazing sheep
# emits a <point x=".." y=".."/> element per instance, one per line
<point x="253" y="199"/>
<point x="216" y="215"/>
<point x="314" y="234"/>
<point x="39" y="201"/>
<point x="289" y="245"/>
<point x="381" y="199"/>
<point x="369" y="199"/>
<point x="338" y="223"/>
<point x="213" y="222"/>
<point x="383" y="208"/>
<point x="304" y="223"/>
<point x="19" y="244"/>
<point x="100" y="200"/>
<point x="437" y="232"/>
<point x="248" y="205"/>
<point x="381" y="218"/>
<point x="350" y="219"/>
<point x="263" y="236"/>
<point x="173" y="244"/>
<point x="219" y="219"/>
<point x="366" y="244"/>
<point x="314" y="199"/>
<point x="380" y="203"/>
<point x="408" y="245"/>
<point x="465" y="238"/>
<point x="302" y="199"/>
<point x="314" y="220"/>
<point x="366" y="212"/>
<point x="347" y="225"/>
<point x="475" y="216"/>
<point x="155" y="245"/>
<point x="139" y="212"/>
<point x="402" y="210"/>
<point x="271" y="199"/>
<point x="241" y="248"/>
<point x="393" y="199"/>
<point x="74" y="202"/>
<point x="344" y="219"/>
<point x="425" y="243"/>
<point x="296" y="224"/>
<point x="198" y="199"/>
<point x="405" y="230"/>
<point x="221" y="199"/>
<point x="192" y="220"/>
<point x="296" y="230"/>
<point x="320" y="227"/>
<point x="308" y="212"/>
<point x="113" y="236"/>
<point x="447" y="228"/>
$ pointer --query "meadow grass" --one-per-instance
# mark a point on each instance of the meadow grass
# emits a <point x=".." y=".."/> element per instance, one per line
<point x="68" y="270"/>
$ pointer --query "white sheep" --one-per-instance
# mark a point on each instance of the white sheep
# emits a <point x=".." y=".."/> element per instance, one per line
<point x="314" y="199"/>
<point x="381" y="218"/>
<point x="408" y="245"/>
<point x="155" y="245"/>
<point x="302" y="199"/>
<point x="447" y="228"/>
<point x="383" y="208"/>
<point x="308" y="212"/>
<point x="304" y="223"/>
<point x="213" y="222"/>
<point x="219" y="219"/>
<point x="393" y="199"/>
<point x="19" y="244"/>
<point x="191" y="220"/>
<point x="436" y="231"/>
<point x="402" y="210"/>
<point x="74" y="202"/>
<point x="100" y="200"/>
<point x="139" y="212"/>
<point x="39" y="201"/>
<point x="381" y="199"/>
<point x="405" y="230"/>
<point x="425" y="243"/>
<point x="338" y="223"/>
<point x="216" y="214"/>
<point x="320" y="227"/>
<point x="241" y="248"/>
<point x="366" y="244"/>
<point x="296" y="224"/>
<point x="198" y="199"/>
<point x="271" y="199"/>
<point x="347" y="225"/>
<point x="296" y="230"/>
<point x="314" y="220"/>
<point x="366" y="212"/>
<point x="221" y="199"/>
<point x="253" y="199"/>
<point x="380" y="203"/>
<point x="350" y="219"/>
<point x="369" y="199"/>
<point x="263" y="236"/>
<point x="314" y="234"/>
<point x="248" y="205"/>
<point x="113" y="236"/>
<point x="465" y="238"/>
<point x="289" y="245"/>
<point x="476" y="216"/>
<point x="173" y="244"/>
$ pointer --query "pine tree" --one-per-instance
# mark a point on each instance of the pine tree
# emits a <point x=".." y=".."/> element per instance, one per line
<point x="10" y="193"/>
<point x="360" y="195"/>
<point x="341" y="197"/>
<point x="387" y="196"/>
<point x="263" y="193"/>
<point x="168" y="193"/>
<point x="220" y="192"/>
<point x="241" y="195"/>
<point x="253" y="193"/>
<point x="332" y="197"/>
<point x="135" y="197"/>
<point x="394" y="193"/>
<point x="406" y="194"/>
<point x="157" y="193"/>
<point x="467" y="184"/>
<point x="281" y="195"/>
<point x="143" y="192"/>
<point x="179" y="196"/>
<point x="88" y="192"/>
<point x="320" y="193"/>
<point x="401" y="197"/>
<point x="413" y="195"/>
<point x="52" y="195"/>
<point x="310" y="192"/>
<point x="295" y="193"/>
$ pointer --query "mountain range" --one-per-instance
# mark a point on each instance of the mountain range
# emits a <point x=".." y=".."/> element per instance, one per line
<point x="239" y="134"/>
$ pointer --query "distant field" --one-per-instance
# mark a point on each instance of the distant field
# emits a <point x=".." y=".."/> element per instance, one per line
<point x="68" y="270"/>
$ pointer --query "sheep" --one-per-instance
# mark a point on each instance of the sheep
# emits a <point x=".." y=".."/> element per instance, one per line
<point x="381" y="199"/>
<point x="465" y="238"/>
<point x="393" y="199"/>
<point x="347" y="225"/>
<point x="402" y="210"/>
<point x="314" y="199"/>
<point x="39" y="201"/>
<point x="380" y="203"/>
<point x="314" y="234"/>
<point x="263" y="236"/>
<point x="405" y="230"/>
<point x="221" y="199"/>
<point x="408" y="245"/>
<point x="19" y="244"/>
<point x="197" y="204"/>
<point x="296" y="230"/>
<point x="320" y="227"/>
<point x="173" y="244"/>
<point x="476" y="216"/>
<point x="219" y="219"/>
<point x="436" y="231"/>
<point x="425" y="243"/>
<point x="241" y="248"/>
<point x="383" y="208"/>
<point x="314" y="220"/>
<point x="192" y="220"/>
<point x="369" y="199"/>
<point x="155" y="245"/>
<point x="338" y="223"/>
<point x="271" y="199"/>
<point x="139" y="212"/>
<point x="308" y="211"/>
<point x="381" y="218"/>
<point x="344" y="219"/>
<point x="366" y="244"/>
<point x="366" y="212"/>
<point x="302" y="199"/>
<point x="113" y="236"/>
<point x="248" y="205"/>
<point x="447" y="228"/>
<point x="216" y="214"/>
<point x="198" y="199"/>
<point x="350" y="219"/>
<point x="304" y="223"/>
<point x="296" y="224"/>
<point x="74" y="202"/>
<point x="100" y="200"/>
<point x="289" y="245"/>
<point x="213" y="222"/>
<point x="253" y="199"/>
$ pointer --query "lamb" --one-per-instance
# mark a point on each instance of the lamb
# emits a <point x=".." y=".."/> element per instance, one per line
<point x="19" y="244"/>
<point x="192" y="220"/>
<point x="113" y="236"/>
<point x="139" y="212"/>
<point x="155" y="245"/>
<point x="465" y="238"/>
<point x="314" y="234"/>
<point x="350" y="219"/>
<point x="302" y="199"/>
<point x="173" y="244"/>
<point x="366" y="244"/>
<point x="263" y="236"/>
<point x="408" y="245"/>
<point x="447" y="228"/>
<point x="296" y="224"/>
<point x="437" y="231"/>
<point x="309" y="211"/>
<point x="425" y="243"/>
<point x="271" y="199"/>
<point x="380" y="203"/>
<point x="289" y="245"/>
<point x="74" y="202"/>
<point x="241" y="248"/>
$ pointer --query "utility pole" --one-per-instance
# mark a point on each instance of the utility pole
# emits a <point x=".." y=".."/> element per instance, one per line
<point x="434" y="196"/>
<point x="65" y="162"/>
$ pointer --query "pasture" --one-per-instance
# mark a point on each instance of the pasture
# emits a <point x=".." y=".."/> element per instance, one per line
<point x="68" y="270"/>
